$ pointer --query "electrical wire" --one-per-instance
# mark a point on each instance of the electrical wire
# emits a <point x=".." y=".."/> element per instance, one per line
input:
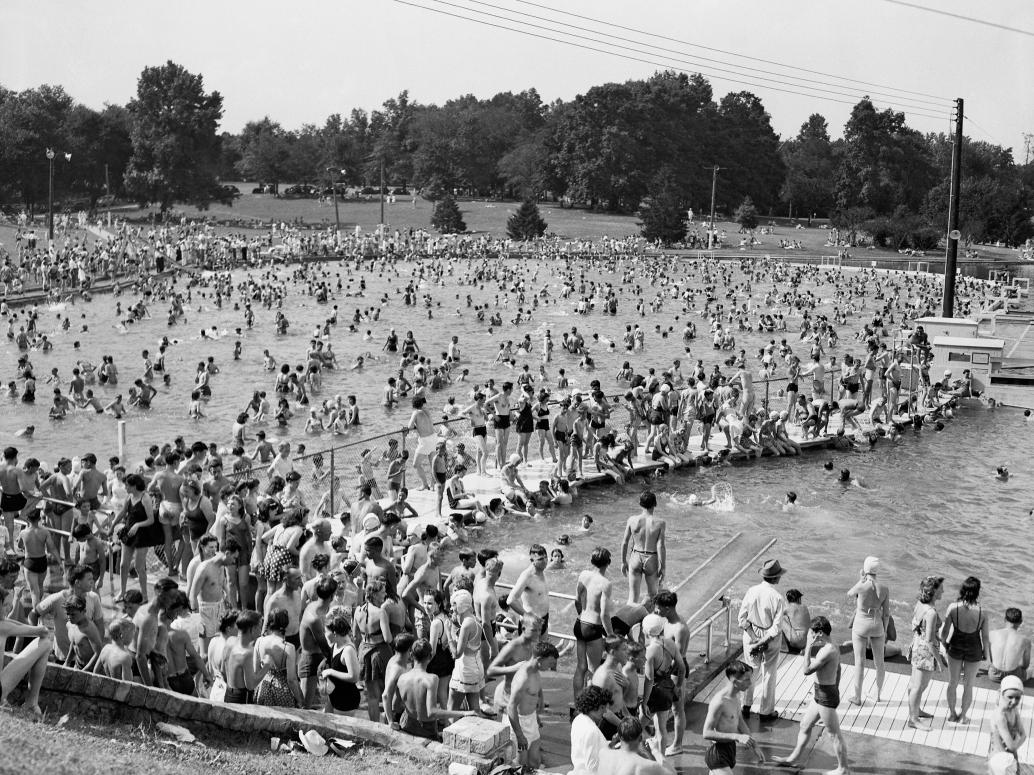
<point x="972" y="19"/>
<point x="651" y="61"/>
<point x="730" y="53"/>
<point x="911" y="101"/>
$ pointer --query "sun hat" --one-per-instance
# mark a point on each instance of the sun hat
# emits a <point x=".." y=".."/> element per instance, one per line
<point x="653" y="625"/>
<point x="772" y="569"/>
<point x="313" y="742"/>
<point x="871" y="565"/>
<point x="515" y="459"/>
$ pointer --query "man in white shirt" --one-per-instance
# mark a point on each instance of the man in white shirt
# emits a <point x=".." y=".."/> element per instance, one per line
<point x="586" y="739"/>
<point x="761" y="612"/>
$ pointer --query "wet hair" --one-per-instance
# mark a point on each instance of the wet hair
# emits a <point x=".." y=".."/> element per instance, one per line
<point x="970" y="590"/>
<point x="76" y="573"/>
<point x="665" y="599"/>
<point x="630" y="730"/>
<point x="75" y="603"/>
<point x="791" y="496"/>
<point x="600" y="557"/>
<point x="648" y="500"/>
<point x="613" y="643"/>
<point x="737" y="669"/>
<point x="403" y="642"/>
<point x="1014" y="616"/>
<point x="793" y="596"/>
<point x="928" y="588"/>
<point x="544" y="649"/>
<point x="592" y="698"/>
<point x="421" y="650"/>
<point x="821" y="624"/>
<point x="326" y="587"/>
<point x="248" y="620"/>
<point x="227" y="621"/>
<point x="339" y="621"/>
<point x="278" y="620"/>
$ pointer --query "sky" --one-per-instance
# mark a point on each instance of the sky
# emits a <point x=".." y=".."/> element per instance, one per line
<point x="300" y="61"/>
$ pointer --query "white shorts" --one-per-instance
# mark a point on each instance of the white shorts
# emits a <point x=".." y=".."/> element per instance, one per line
<point x="426" y="444"/>
<point x="211" y="613"/>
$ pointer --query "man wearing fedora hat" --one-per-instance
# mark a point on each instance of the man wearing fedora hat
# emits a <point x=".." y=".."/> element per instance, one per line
<point x="760" y="615"/>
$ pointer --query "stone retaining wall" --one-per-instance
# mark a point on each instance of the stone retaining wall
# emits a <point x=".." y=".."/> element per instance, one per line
<point x="106" y="700"/>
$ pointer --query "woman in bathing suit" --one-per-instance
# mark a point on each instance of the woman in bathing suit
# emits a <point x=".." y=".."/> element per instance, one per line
<point x="525" y="424"/>
<point x="478" y="429"/>
<point x="541" y="411"/>
<point x="501" y="405"/>
<point x="562" y="436"/>
<point x="966" y="647"/>
<point x="870" y="625"/>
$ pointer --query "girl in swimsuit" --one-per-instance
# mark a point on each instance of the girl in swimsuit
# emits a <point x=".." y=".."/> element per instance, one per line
<point x="541" y="412"/>
<point x="966" y="647"/>
<point x="500" y="402"/>
<point x="562" y="436"/>
<point x="525" y="424"/>
<point x="478" y="429"/>
<point x="869" y="628"/>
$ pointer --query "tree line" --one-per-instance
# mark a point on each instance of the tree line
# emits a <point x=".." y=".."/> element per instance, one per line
<point x="644" y="146"/>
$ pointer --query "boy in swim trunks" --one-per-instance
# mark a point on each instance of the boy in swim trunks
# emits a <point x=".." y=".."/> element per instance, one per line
<point x="526" y="702"/>
<point x="725" y="725"/>
<point x="821" y="659"/>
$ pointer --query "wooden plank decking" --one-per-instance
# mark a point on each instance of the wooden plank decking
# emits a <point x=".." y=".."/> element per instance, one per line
<point x="887" y="719"/>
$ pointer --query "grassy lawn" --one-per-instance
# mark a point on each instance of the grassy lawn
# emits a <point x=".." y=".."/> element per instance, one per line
<point x="92" y="749"/>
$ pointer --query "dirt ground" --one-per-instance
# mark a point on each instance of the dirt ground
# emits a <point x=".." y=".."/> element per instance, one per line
<point x="75" y="746"/>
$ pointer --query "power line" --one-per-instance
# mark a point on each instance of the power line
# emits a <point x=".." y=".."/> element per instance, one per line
<point x="915" y="102"/>
<point x="731" y="53"/>
<point x="650" y="61"/>
<point x="972" y="19"/>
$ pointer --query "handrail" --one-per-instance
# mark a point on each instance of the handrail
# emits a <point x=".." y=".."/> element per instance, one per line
<point x="718" y="595"/>
<point x="559" y="595"/>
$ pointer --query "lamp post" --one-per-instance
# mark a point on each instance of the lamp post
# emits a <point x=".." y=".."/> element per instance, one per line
<point x="333" y="192"/>
<point x="50" y="196"/>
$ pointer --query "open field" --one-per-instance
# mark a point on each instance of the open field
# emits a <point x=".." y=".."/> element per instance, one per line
<point x="485" y="217"/>
<point x="99" y="749"/>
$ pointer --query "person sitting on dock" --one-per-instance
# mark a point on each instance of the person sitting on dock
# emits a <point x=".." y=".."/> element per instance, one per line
<point x="1010" y="649"/>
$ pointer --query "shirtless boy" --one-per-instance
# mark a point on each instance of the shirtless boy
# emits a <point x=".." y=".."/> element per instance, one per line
<point x="530" y="594"/>
<point x="821" y="659"/>
<point x="116" y="660"/>
<point x="418" y="690"/>
<point x="725" y="725"/>
<point x="208" y="587"/>
<point x="526" y="702"/>
<point x="645" y="533"/>
<point x="592" y="602"/>
<point x="511" y="656"/>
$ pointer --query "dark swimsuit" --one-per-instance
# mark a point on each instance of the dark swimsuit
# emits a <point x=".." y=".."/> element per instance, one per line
<point x="587" y="632"/>
<point x="502" y="421"/>
<point x="525" y="422"/>
<point x="966" y="646"/>
<point x="344" y="695"/>
<point x="721" y="754"/>
<point x="542" y="424"/>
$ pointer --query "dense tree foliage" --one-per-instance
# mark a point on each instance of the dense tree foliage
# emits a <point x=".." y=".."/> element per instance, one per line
<point x="174" y="127"/>
<point x="635" y="147"/>
<point x="663" y="214"/>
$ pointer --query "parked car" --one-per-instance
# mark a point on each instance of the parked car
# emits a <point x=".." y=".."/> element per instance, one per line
<point x="228" y="191"/>
<point x="301" y="191"/>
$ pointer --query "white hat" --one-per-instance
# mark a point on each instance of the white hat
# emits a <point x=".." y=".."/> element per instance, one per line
<point x="313" y="742"/>
<point x="653" y="625"/>
<point x="1011" y="683"/>
<point x="371" y="522"/>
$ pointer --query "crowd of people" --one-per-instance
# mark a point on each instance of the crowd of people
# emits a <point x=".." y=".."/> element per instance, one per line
<point x="264" y="597"/>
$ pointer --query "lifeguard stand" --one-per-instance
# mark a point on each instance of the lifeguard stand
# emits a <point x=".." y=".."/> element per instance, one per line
<point x="835" y="261"/>
<point x="918" y="266"/>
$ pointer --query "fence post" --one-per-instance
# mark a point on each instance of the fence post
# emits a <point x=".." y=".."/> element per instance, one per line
<point x="766" y="392"/>
<point x="333" y="483"/>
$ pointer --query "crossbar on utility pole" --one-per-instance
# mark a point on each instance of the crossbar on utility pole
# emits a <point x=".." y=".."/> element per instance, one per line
<point x="952" y="249"/>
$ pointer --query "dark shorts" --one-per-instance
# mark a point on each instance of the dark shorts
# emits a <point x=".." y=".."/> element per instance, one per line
<point x="441" y="476"/>
<point x="721" y="754"/>
<point x="36" y="564"/>
<point x="91" y="503"/>
<point x="479" y="430"/>
<point x="502" y="421"/>
<point x="827" y="695"/>
<point x="237" y="696"/>
<point x="309" y="663"/>
<point x="12" y="501"/>
<point x="791" y="387"/>
<point x="426" y="729"/>
<point x="374" y="661"/>
<point x="587" y="632"/>
<point x="183" y="683"/>
<point x="542" y="425"/>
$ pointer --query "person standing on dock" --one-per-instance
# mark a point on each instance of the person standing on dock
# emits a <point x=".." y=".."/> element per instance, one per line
<point x="760" y="616"/>
<point x="645" y="533"/>
<point x="530" y="593"/>
<point x="821" y="659"/>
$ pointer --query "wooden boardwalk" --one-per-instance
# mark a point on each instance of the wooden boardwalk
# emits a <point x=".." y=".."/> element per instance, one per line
<point x="887" y="719"/>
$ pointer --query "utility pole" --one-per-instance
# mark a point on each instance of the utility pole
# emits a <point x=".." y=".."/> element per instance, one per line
<point x="952" y="250"/>
<point x="382" y="197"/>
<point x="107" y="186"/>
<point x="1028" y="143"/>
<point x="714" y="188"/>
<point x="50" y="197"/>
<point x="333" y="192"/>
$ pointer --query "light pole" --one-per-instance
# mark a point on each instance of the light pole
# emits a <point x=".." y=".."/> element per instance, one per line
<point x="333" y="192"/>
<point x="50" y="196"/>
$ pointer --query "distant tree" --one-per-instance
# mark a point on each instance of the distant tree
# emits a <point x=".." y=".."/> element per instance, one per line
<point x="747" y="215"/>
<point x="526" y="223"/>
<point x="175" y="146"/>
<point x="810" y="168"/>
<point x="265" y="153"/>
<point x="30" y="122"/>
<point x="663" y="214"/>
<point x="447" y="217"/>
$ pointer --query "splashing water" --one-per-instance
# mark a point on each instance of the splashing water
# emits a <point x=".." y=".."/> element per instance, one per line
<point x="721" y="493"/>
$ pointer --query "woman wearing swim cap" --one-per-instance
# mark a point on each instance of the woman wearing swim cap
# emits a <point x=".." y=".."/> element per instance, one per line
<point x="869" y="628"/>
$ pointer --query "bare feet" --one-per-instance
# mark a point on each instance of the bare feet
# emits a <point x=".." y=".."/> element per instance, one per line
<point x="854" y="700"/>
<point x="924" y="714"/>
<point x="922" y="726"/>
<point x="789" y="763"/>
<point x="37" y="714"/>
<point x="673" y="750"/>
<point x="953" y="717"/>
